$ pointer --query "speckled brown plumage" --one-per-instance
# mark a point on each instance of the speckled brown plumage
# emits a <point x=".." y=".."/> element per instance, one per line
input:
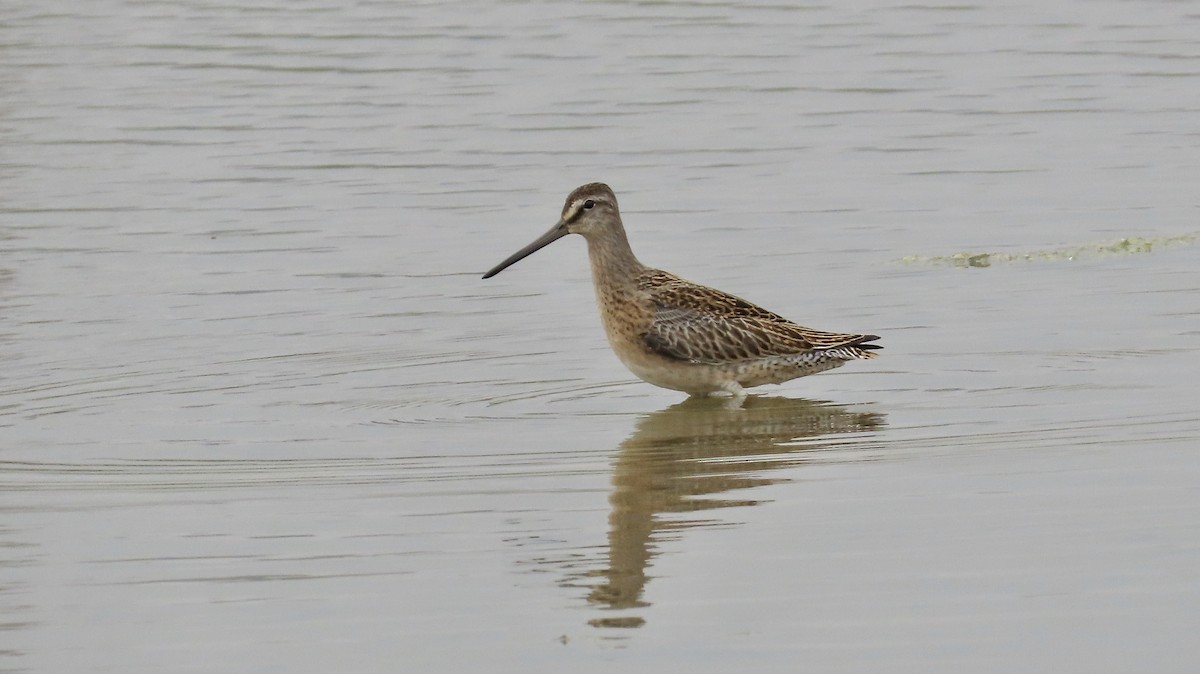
<point x="704" y="325"/>
<point x="681" y="335"/>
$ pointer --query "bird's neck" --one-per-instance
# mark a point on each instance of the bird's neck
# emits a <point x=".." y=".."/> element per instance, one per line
<point x="614" y="266"/>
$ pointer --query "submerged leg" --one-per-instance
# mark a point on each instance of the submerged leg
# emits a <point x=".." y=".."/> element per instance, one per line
<point x="733" y="388"/>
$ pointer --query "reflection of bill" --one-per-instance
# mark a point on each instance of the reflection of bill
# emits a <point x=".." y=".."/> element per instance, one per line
<point x="678" y="459"/>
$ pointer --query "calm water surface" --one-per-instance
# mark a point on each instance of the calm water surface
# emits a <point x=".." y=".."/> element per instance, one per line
<point x="258" y="413"/>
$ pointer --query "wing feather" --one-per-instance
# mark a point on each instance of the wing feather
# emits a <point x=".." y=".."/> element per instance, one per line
<point x="705" y="325"/>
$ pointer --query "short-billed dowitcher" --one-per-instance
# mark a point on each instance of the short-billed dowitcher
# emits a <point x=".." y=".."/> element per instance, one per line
<point x="681" y="335"/>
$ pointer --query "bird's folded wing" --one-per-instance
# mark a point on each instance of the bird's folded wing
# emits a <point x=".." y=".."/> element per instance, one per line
<point x="705" y="325"/>
<point x="700" y="337"/>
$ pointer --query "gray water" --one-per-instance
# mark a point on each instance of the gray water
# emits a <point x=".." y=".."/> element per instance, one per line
<point x="259" y="413"/>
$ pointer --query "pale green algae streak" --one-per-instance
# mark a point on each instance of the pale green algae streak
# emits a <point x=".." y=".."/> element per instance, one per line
<point x="1126" y="246"/>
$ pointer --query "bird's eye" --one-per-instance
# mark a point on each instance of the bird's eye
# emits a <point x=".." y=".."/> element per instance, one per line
<point x="587" y="205"/>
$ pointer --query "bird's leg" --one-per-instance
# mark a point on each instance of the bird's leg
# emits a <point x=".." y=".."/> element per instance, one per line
<point x="734" y="390"/>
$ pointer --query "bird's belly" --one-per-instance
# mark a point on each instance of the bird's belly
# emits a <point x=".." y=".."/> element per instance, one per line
<point x="677" y="375"/>
<point x="680" y="375"/>
<point x="701" y="378"/>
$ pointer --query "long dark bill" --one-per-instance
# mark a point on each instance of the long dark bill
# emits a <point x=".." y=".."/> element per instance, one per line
<point x="556" y="232"/>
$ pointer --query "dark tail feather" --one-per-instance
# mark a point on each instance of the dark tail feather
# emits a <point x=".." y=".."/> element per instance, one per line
<point x="861" y="343"/>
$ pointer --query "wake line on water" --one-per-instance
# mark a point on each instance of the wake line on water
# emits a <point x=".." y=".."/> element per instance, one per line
<point x="1127" y="246"/>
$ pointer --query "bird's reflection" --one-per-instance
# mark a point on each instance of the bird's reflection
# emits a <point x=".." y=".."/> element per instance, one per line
<point x="679" y="459"/>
